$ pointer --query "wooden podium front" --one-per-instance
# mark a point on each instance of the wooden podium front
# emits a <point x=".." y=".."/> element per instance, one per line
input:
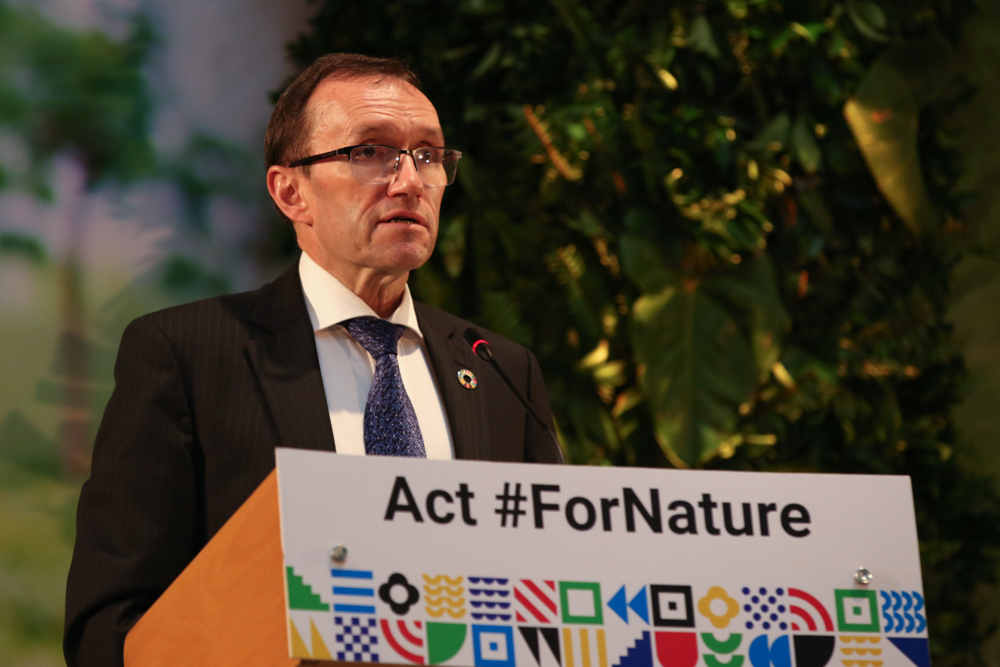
<point x="228" y="606"/>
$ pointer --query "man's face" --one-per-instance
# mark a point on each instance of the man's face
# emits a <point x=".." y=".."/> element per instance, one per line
<point x="357" y="229"/>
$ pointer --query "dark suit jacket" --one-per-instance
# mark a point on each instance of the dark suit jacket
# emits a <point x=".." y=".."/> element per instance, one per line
<point x="204" y="393"/>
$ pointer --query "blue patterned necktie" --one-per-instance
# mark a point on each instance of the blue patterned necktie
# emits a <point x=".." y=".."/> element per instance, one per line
<point x="391" y="426"/>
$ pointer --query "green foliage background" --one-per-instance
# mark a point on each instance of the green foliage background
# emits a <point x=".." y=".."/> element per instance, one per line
<point x="727" y="228"/>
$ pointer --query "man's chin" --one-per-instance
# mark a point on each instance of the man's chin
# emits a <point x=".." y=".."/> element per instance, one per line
<point x="403" y="247"/>
<point x="402" y="257"/>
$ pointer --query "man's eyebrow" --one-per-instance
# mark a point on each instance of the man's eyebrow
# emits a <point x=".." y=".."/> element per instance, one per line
<point x="384" y="128"/>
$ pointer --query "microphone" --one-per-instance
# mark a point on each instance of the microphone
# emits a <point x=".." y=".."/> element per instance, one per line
<point x="481" y="348"/>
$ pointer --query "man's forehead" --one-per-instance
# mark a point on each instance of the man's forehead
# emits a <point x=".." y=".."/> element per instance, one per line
<point x="365" y="105"/>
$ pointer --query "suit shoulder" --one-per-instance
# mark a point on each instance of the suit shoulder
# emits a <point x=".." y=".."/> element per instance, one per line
<point x="227" y="322"/>
<point x="232" y="307"/>
<point x="443" y="321"/>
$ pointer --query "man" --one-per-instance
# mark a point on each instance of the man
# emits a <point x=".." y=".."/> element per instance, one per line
<point x="333" y="355"/>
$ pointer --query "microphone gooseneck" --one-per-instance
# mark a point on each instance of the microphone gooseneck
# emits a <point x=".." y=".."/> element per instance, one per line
<point x="481" y="348"/>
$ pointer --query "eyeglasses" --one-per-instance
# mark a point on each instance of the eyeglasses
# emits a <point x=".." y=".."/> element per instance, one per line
<point x="372" y="164"/>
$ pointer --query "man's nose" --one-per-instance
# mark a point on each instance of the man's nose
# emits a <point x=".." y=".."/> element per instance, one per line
<point x="406" y="180"/>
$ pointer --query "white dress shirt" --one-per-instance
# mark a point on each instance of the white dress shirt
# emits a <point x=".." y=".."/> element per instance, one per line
<point x="348" y="369"/>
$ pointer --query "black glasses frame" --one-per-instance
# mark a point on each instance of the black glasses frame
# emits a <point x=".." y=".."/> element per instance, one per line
<point x="346" y="150"/>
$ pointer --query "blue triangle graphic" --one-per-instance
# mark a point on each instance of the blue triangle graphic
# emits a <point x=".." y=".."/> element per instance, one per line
<point x="617" y="604"/>
<point x="914" y="648"/>
<point x="638" y="604"/>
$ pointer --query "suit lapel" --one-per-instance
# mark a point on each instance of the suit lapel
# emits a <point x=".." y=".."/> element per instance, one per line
<point x="287" y="365"/>
<point x="468" y="416"/>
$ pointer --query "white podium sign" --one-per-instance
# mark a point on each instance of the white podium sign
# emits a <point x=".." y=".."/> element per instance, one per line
<point x="514" y="565"/>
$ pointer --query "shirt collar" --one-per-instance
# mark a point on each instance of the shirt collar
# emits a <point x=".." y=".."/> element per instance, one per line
<point x="330" y="302"/>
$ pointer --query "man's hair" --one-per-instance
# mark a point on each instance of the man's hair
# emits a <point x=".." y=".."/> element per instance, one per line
<point x="288" y="131"/>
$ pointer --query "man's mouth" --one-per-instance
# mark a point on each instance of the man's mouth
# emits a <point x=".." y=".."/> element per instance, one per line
<point x="405" y="218"/>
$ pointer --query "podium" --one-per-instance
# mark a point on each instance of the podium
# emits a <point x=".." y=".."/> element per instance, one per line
<point x="338" y="559"/>
<point x="228" y="606"/>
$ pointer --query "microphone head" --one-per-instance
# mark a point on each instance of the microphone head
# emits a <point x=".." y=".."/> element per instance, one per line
<point x="480" y="346"/>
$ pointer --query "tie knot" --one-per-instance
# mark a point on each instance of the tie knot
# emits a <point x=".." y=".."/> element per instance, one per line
<point x="378" y="337"/>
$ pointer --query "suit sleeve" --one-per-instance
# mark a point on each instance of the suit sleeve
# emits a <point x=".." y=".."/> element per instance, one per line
<point x="137" y="521"/>
<point x="538" y="446"/>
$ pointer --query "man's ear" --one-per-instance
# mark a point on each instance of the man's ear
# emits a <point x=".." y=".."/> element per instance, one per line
<point x="286" y="187"/>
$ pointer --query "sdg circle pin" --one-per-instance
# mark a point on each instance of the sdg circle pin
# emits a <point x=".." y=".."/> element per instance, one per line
<point x="467" y="378"/>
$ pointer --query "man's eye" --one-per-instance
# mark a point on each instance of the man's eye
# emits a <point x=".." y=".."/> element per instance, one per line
<point x="369" y="152"/>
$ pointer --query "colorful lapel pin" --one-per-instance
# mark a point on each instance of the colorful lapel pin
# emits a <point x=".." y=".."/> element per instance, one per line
<point x="467" y="378"/>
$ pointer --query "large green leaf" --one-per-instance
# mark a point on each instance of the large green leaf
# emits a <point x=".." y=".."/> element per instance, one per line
<point x="883" y="117"/>
<point x="698" y="369"/>
<point x="750" y="293"/>
<point x="702" y="343"/>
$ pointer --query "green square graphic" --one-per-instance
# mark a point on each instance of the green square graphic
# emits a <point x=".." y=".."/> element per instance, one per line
<point x="595" y="589"/>
<point x="857" y="600"/>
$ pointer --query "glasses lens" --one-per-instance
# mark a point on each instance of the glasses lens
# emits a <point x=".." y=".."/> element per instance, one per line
<point x="373" y="164"/>
<point x="437" y="166"/>
<point x="428" y="161"/>
<point x="449" y="161"/>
